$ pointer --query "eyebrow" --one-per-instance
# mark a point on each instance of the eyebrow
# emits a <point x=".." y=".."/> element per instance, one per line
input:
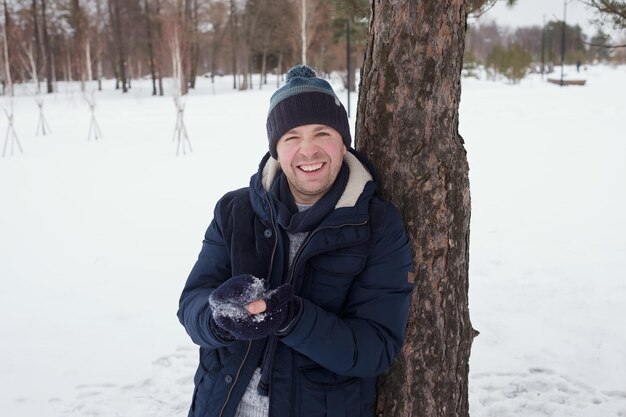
<point x="317" y="129"/>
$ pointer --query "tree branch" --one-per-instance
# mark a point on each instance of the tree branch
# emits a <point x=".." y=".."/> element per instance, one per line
<point x="604" y="45"/>
<point x="612" y="8"/>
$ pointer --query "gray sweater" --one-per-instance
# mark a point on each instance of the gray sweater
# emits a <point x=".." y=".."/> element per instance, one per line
<point x="252" y="404"/>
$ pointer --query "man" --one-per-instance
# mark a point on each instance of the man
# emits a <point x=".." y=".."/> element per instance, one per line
<point x="300" y="294"/>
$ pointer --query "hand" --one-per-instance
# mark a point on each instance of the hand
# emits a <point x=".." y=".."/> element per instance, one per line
<point x="256" y="307"/>
<point x="236" y="292"/>
<point x="246" y="310"/>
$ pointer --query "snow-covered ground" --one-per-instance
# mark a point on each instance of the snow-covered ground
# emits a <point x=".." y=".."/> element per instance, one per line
<point x="97" y="238"/>
<point x="548" y="246"/>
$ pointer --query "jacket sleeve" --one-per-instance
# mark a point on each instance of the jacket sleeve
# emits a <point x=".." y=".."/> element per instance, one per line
<point x="210" y="270"/>
<point x="370" y="333"/>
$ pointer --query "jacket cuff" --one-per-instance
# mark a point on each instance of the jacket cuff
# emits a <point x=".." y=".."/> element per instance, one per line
<point x="301" y="329"/>
<point x="219" y="334"/>
<point x="297" y="306"/>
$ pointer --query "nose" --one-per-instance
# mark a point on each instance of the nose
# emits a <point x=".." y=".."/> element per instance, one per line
<point x="308" y="148"/>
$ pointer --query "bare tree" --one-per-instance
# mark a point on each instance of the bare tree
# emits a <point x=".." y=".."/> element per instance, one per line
<point x="178" y="80"/>
<point x="10" y="54"/>
<point x="249" y="20"/>
<point x="10" y="139"/>
<point x="38" y="51"/>
<point x="98" y="42"/>
<point x="149" y="17"/>
<point x="234" y="40"/>
<point x="79" y="40"/>
<point x="31" y="67"/>
<point x="115" y="17"/>
<point x="407" y="124"/>
<point x="47" y="48"/>
<point x="191" y="23"/>
<point x="159" y="41"/>
<point x="218" y="19"/>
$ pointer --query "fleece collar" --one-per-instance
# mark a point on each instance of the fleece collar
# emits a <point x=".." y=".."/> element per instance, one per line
<point x="359" y="177"/>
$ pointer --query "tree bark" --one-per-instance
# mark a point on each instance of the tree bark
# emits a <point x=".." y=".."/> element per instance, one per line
<point x="407" y="124"/>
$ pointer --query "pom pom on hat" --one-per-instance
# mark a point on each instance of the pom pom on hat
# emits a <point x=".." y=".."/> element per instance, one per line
<point x="305" y="99"/>
<point x="301" y="71"/>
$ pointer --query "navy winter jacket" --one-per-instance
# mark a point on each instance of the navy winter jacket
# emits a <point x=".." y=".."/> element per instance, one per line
<point x="351" y="273"/>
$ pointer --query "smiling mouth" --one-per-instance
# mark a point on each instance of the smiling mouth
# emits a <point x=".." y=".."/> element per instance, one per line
<point x="311" y="167"/>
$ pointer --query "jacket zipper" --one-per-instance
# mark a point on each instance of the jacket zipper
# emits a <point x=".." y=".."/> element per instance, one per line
<point x="296" y="258"/>
<point x="250" y="343"/>
<point x="236" y="377"/>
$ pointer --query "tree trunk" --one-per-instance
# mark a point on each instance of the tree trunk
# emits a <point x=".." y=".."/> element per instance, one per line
<point x="195" y="46"/>
<point x="148" y="17"/>
<point x="78" y="41"/>
<point x="159" y="41"/>
<point x="279" y="72"/>
<point x="99" y="44"/>
<point x="233" y="43"/>
<point x="116" y="26"/>
<point x="245" y="71"/>
<point x="185" y="43"/>
<point x="216" y="42"/>
<point x="407" y="124"/>
<point x="263" y="78"/>
<point x="12" y="70"/>
<point x="38" y="48"/>
<point x="7" y="81"/>
<point x="47" y="48"/>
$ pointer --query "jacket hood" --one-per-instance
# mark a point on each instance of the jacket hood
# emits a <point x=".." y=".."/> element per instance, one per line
<point x="361" y="182"/>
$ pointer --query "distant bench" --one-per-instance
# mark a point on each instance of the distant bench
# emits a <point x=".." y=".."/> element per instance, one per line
<point x="566" y="82"/>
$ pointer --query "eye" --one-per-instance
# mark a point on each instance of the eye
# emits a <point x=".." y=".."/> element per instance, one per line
<point x="322" y="133"/>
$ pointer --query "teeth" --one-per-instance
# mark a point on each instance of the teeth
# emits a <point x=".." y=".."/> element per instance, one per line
<point x="309" y="168"/>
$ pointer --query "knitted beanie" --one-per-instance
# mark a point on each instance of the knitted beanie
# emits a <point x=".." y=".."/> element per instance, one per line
<point x="305" y="99"/>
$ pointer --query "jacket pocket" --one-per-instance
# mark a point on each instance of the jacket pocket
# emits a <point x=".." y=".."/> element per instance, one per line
<point x="204" y="380"/>
<point x="326" y="394"/>
<point x="332" y="275"/>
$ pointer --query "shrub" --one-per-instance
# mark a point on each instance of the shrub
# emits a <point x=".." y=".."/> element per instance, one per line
<point x="511" y="62"/>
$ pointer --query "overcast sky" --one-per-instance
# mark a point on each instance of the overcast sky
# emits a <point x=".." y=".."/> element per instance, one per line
<point x="531" y="12"/>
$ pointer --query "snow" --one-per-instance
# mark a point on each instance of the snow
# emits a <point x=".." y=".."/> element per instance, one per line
<point x="97" y="238"/>
<point x="235" y="308"/>
<point x="548" y="239"/>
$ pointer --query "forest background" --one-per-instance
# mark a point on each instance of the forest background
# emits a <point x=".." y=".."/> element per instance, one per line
<point x="81" y="40"/>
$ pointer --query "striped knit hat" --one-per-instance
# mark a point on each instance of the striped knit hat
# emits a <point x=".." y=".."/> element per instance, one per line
<point x="305" y="99"/>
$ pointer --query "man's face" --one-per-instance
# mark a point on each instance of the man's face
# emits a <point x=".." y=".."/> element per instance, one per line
<point x="311" y="157"/>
